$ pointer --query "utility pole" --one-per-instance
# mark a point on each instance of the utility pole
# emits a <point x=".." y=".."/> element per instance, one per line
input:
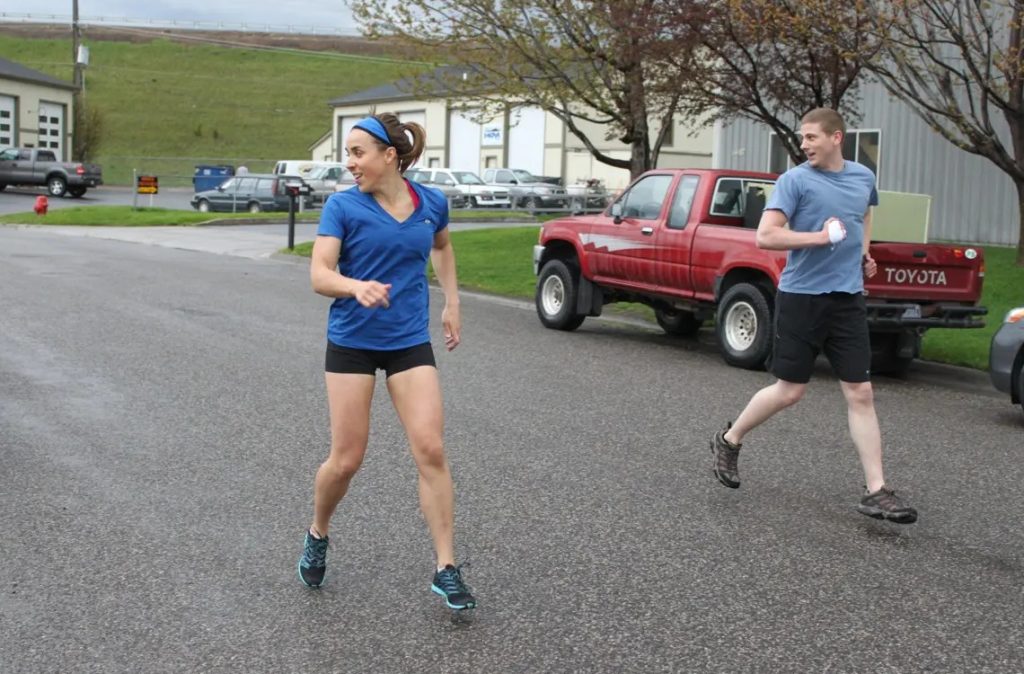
<point x="76" y="79"/>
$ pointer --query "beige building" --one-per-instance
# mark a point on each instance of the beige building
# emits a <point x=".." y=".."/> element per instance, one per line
<point x="35" y="110"/>
<point x="524" y="137"/>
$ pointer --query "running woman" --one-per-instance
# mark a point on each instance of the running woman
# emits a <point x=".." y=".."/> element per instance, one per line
<point x="826" y="202"/>
<point x="370" y="255"/>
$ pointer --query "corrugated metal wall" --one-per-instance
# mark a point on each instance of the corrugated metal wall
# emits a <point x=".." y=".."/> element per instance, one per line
<point x="972" y="200"/>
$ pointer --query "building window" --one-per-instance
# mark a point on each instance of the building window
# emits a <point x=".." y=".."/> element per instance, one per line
<point x="433" y="162"/>
<point x="490" y="161"/>
<point x="860" y="145"/>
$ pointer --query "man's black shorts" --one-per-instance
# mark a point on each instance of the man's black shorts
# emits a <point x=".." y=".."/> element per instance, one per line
<point x="806" y="325"/>
<point x="343" y="360"/>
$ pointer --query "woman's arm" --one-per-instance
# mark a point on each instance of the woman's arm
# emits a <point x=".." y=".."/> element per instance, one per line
<point x="326" y="281"/>
<point x="442" y="256"/>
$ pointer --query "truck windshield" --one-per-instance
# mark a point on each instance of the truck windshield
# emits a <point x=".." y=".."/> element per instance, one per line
<point x="525" y="176"/>
<point x="467" y="178"/>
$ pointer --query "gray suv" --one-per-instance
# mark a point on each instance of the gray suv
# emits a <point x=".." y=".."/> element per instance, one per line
<point x="526" y="190"/>
<point x="251" y="192"/>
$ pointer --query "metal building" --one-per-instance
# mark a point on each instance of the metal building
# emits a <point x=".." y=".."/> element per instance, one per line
<point x="972" y="200"/>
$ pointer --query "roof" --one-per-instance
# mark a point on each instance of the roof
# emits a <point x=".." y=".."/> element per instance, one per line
<point x="432" y="84"/>
<point x="9" y="70"/>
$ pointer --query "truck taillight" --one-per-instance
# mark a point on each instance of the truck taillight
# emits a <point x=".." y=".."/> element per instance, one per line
<point x="80" y="170"/>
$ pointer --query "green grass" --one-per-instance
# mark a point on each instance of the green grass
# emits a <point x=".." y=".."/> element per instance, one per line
<point x="500" y="261"/>
<point x="125" y="216"/>
<point x="1003" y="290"/>
<point x="168" y="106"/>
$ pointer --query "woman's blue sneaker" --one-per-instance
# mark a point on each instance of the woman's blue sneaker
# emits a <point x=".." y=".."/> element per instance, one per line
<point x="448" y="583"/>
<point x="313" y="563"/>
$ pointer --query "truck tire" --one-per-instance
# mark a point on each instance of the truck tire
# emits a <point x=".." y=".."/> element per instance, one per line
<point x="3" y="187"/>
<point x="531" y="204"/>
<point x="76" y="192"/>
<point x="743" y="327"/>
<point x="556" y="297"/>
<point x="56" y="186"/>
<point x="678" y="323"/>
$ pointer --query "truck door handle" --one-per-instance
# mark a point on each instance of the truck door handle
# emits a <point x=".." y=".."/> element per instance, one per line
<point x="647" y="231"/>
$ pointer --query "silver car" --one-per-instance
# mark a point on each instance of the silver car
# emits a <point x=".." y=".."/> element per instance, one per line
<point x="1006" y="356"/>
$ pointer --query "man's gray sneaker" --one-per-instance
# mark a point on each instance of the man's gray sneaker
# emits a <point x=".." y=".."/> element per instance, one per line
<point x="727" y="456"/>
<point x="884" y="504"/>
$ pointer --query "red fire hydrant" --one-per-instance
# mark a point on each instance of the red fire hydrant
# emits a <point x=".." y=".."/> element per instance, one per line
<point x="41" y="205"/>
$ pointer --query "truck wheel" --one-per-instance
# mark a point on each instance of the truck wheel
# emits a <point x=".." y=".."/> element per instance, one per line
<point x="57" y="186"/>
<point x="76" y="192"/>
<point x="203" y="206"/>
<point x="885" y="355"/>
<point x="2" y="187"/>
<point x="744" y="327"/>
<point x="678" y="323"/>
<point x="556" y="297"/>
<point x="254" y="207"/>
<point x="531" y="204"/>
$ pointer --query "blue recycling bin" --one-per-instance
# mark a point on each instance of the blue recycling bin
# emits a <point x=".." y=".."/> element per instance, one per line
<point x="209" y="177"/>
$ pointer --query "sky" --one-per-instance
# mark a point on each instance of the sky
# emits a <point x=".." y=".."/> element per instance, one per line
<point x="300" y="16"/>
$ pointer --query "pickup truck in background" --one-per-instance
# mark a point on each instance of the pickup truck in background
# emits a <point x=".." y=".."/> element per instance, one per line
<point x="682" y="241"/>
<point x="31" y="167"/>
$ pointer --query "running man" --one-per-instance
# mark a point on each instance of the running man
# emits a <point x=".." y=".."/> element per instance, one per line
<point x="820" y="304"/>
<point x="370" y="255"/>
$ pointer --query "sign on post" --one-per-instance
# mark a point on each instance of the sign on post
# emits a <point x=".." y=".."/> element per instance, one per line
<point x="147" y="185"/>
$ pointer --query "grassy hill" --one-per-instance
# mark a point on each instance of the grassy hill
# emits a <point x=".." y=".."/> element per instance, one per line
<point x="167" y="106"/>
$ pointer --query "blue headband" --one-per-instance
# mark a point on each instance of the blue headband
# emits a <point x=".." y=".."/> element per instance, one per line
<point x="372" y="126"/>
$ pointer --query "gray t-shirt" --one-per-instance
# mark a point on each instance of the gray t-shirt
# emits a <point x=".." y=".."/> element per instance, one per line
<point x="808" y="197"/>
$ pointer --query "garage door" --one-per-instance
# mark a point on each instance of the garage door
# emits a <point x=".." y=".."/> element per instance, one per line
<point x="463" y="143"/>
<point x="6" y="121"/>
<point x="51" y="127"/>
<point x="345" y="125"/>
<point x="526" y="140"/>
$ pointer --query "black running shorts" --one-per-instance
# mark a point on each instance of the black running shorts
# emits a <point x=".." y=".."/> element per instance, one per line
<point x="343" y="360"/>
<point x="806" y="325"/>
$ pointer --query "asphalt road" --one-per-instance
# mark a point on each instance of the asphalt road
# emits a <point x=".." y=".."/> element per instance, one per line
<point x="162" y="414"/>
<point x="22" y="199"/>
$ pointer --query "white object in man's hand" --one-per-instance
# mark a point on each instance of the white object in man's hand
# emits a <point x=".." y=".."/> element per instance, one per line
<point x="836" y="230"/>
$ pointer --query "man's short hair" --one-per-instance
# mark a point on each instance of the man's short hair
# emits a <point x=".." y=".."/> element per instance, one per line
<point x="829" y="120"/>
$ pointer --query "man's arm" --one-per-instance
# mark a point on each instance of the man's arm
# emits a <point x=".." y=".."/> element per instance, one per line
<point x="870" y="267"/>
<point x="772" y="234"/>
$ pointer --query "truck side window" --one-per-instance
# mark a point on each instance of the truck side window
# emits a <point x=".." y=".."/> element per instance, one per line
<point x="46" y="156"/>
<point x="24" y="155"/>
<point x="504" y="177"/>
<point x="727" y="199"/>
<point x="645" y="198"/>
<point x="679" y="214"/>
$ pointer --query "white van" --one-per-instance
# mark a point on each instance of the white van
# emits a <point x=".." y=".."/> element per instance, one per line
<point x="302" y="167"/>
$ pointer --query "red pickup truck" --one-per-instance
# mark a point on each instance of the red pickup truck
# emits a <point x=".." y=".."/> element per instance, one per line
<point x="682" y="241"/>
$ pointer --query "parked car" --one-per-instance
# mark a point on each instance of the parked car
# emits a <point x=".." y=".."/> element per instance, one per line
<point x="1006" y="356"/>
<point x="28" y="166"/>
<point x="300" y="167"/>
<point x="456" y="198"/>
<point x="526" y="190"/>
<point x="469" y="185"/>
<point x="327" y="180"/>
<point x="683" y="241"/>
<point x="252" y="192"/>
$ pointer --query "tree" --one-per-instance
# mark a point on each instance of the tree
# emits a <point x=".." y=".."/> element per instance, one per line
<point x="88" y="133"/>
<point x="772" y="61"/>
<point x="958" y="65"/>
<point x="605" y="62"/>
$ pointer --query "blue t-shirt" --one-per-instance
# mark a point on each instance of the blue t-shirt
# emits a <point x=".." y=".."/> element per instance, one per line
<point x="808" y="197"/>
<point x="376" y="247"/>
